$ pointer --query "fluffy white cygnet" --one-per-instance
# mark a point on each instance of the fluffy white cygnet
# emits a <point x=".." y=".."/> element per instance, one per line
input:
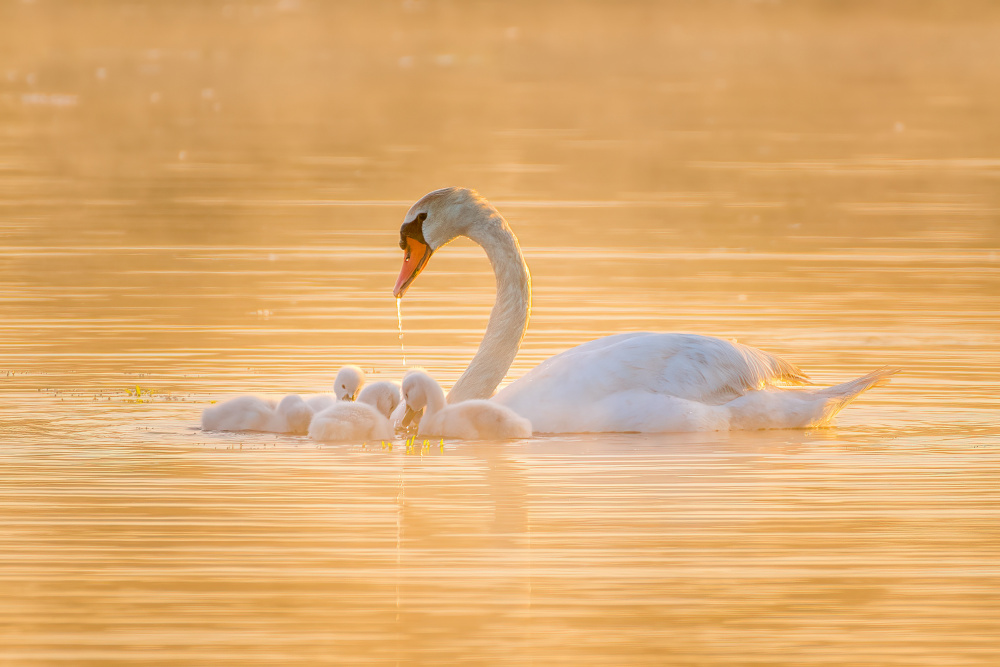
<point x="468" y="420"/>
<point x="364" y="419"/>
<point x="346" y="387"/>
<point x="400" y="413"/>
<point x="258" y="413"/>
<point x="243" y="413"/>
<point x="291" y="416"/>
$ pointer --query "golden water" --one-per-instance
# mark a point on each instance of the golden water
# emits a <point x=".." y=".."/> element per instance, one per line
<point x="204" y="200"/>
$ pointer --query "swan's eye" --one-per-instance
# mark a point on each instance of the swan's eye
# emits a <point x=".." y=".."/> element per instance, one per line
<point x="412" y="230"/>
<point x="343" y="386"/>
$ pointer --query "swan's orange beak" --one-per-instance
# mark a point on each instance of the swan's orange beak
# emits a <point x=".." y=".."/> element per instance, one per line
<point x="414" y="259"/>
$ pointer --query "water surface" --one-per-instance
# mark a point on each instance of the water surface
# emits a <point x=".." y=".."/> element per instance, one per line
<point x="200" y="201"/>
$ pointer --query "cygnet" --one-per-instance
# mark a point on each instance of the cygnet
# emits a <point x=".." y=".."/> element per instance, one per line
<point x="346" y="387"/>
<point x="468" y="420"/>
<point x="365" y="419"/>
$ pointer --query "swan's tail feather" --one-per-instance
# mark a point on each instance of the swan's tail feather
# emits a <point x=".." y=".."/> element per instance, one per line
<point x="760" y="368"/>
<point x="839" y="396"/>
<point x="799" y="408"/>
<point x="790" y="373"/>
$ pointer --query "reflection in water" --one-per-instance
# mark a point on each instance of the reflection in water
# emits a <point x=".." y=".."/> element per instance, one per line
<point x="202" y="201"/>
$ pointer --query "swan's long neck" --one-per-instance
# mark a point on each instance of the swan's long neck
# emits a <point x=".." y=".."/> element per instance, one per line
<point x="509" y="317"/>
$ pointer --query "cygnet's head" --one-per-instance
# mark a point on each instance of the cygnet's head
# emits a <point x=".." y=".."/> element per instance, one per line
<point x="382" y="395"/>
<point x="419" y="389"/>
<point x="438" y="218"/>
<point x="350" y="380"/>
<point x="416" y="385"/>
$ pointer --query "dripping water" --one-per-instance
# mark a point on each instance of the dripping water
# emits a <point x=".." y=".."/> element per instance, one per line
<point x="399" y="321"/>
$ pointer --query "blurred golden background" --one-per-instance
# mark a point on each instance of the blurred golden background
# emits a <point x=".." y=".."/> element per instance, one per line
<point x="815" y="104"/>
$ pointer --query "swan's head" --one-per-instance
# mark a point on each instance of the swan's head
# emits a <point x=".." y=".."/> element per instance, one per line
<point x="436" y="219"/>
<point x="350" y="380"/>
<point x="418" y="390"/>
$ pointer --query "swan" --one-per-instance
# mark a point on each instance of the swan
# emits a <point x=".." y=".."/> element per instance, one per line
<point x="642" y="381"/>
<point x="364" y="419"/>
<point x="291" y="414"/>
<point x="469" y="420"/>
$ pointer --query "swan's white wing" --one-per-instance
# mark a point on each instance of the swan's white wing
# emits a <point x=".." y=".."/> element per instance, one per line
<point x="702" y="369"/>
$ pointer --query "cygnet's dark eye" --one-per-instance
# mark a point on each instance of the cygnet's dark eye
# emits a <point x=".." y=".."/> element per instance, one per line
<point x="343" y="386"/>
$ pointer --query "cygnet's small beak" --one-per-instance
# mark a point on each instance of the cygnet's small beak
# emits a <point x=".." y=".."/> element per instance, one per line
<point x="351" y="397"/>
<point x="410" y="415"/>
<point x="415" y="257"/>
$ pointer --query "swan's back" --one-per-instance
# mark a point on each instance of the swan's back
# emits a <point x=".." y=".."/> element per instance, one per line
<point x="702" y="369"/>
<point x="697" y="368"/>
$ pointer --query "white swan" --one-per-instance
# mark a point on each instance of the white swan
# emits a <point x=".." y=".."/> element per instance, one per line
<point x="468" y="420"/>
<point x="628" y="382"/>
<point x="290" y="415"/>
<point x="364" y="419"/>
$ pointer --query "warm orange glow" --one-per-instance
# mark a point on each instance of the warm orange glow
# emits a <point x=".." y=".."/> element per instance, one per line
<point x="200" y="200"/>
